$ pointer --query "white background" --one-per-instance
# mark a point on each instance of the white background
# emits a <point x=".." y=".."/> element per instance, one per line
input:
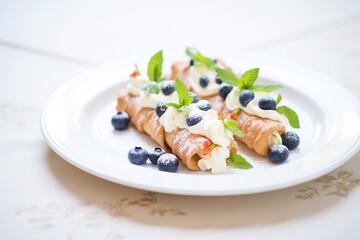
<point x="43" y="44"/>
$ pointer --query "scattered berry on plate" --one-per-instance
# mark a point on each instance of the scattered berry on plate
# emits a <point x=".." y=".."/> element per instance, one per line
<point x="160" y="109"/>
<point x="196" y="98"/>
<point x="168" y="87"/>
<point x="278" y="153"/>
<point x="138" y="155"/>
<point x="218" y="80"/>
<point x="225" y="90"/>
<point x="191" y="62"/>
<point x="204" y="105"/>
<point x="267" y="103"/>
<point x="155" y="153"/>
<point x="246" y="96"/>
<point x="193" y="119"/>
<point x="120" y="121"/>
<point x="168" y="163"/>
<point x="291" y="140"/>
<point x="204" y="81"/>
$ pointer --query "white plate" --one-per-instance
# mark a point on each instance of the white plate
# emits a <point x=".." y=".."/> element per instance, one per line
<point x="76" y="124"/>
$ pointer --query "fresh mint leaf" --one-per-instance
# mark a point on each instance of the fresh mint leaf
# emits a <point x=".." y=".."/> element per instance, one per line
<point x="227" y="77"/>
<point x="137" y="70"/>
<point x="232" y="126"/>
<point x="290" y="115"/>
<point x="266" y="88"/>
<point x="155" y="67"/>
<point x="198" y="58"/>
<point x="191" y="52"/>
<point x="151" y="88"/>
<point x="248" y="79"/>
<point x="181" y="90"/>
<point x="238" y="161"/>
<point x="173" y="104"/>
<point x="278" y="99"/>
<point x="183" y="93"/>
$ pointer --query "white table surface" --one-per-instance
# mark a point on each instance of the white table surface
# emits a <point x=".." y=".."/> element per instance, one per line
<point x="43" y="44"/>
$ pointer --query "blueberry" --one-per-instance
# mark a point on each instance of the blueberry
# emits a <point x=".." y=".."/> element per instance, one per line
<point x="196" y="98"/>
<point x="160" y="109"/>
<point x="218" y="80"/>
<point x="120" y="121"/>
<point x="193" y="119"/>
<point x="278" y="153"/>
<point x="246" y="96"/>
<point x="168" y="163"/>
<point x="267" y="103"/>
<point x="225" y="90"/>
<point x="168" y="87"/>
<point x="191" y="62"/>
<point x="204" y="81"/>
<point x="155" y="153"/>
<point x="138" y="155"/>
<point x="291" y="140"/>
<point x="203" y="105"/>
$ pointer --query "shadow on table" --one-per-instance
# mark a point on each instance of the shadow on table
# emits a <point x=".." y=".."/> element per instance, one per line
<point x="118" y="203"/>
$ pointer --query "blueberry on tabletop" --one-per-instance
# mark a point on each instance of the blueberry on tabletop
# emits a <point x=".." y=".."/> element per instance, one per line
<point x="193" y="119"/>
<point x="291" y="140"/>
<point x="168" y="163"/>
<point x="204" y="81"/>
<point x="246" y="96"/>
<point x="218" y="80"/>
<point x="160" y="109"/>
<point x="225" y="90"/>
<point x="203" y="105"/>
<point x="120" y="121"/>
<point x="155" y="153"/>
<point x="138" y="155"/>
<point x="267" y="103"/>
<point x="278" y="153"/>
<point x="196" y="98"/>
<point x="168" y="87"/>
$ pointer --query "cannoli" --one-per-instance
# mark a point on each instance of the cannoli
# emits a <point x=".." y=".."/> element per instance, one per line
<point x="262" y="128"/>
<point x="198" y="74"/>
<point x="205" y="145"/>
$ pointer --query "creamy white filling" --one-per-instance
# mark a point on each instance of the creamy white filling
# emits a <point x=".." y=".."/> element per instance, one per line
<point x="195" y="73"/>
<point x="211" y="160"/>
<point x="210" y="126"/>
<point x="136" y="86"/>
<point x="232" y="102"/>
<point x="274" y="139"/>
<point x="152" y="100"/>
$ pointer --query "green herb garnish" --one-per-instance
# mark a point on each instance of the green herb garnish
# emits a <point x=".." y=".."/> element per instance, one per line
<point x="238" y="161"/>
<point x="151" y="88"/>
<point x="184" y="97"/>
<point x="198" y="58"/>
<point x="246" y="81"/>
<point x="232" y="126"/>
<point x="137" y="70"/>
<point x="290" y="114"/>
<point x="154" y="70"/>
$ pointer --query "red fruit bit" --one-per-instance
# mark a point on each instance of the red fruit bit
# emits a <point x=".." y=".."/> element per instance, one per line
<point x="207" y="148"/>
<point x="134" y="74"/>
<point x="233" y="116"/>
